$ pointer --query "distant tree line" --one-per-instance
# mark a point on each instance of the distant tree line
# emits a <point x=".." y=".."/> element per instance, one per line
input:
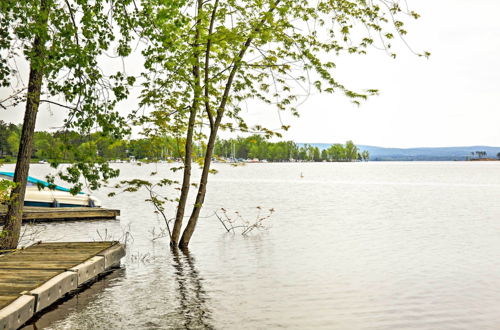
<point x="69" y="146"/>
<point x="481" y="155"/>
<point x="257" y="147"/>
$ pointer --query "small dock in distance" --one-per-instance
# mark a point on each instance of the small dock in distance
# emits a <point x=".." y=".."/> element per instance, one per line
<point x="41" y="214"/>
<point x="36" y="277"/>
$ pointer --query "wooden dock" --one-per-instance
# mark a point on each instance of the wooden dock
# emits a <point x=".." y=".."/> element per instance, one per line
<point x="35" y="214"/>
<point x="34" y="278"/>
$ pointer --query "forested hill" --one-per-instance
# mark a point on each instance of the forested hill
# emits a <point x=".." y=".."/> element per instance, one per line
<point x="421" y="154"/>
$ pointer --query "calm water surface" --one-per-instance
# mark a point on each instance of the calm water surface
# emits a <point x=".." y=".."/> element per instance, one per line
<point x="352" y="246"/>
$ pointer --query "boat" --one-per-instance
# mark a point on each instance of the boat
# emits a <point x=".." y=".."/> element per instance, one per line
<point x="43" y="194"/>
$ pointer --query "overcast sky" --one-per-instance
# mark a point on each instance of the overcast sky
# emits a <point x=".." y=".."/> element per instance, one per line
<point x="451" y="99"/>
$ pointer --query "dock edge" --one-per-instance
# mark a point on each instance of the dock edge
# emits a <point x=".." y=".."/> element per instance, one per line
<point x="29" y="303"/>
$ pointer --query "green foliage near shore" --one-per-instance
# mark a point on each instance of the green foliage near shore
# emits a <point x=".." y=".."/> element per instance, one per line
<point x="69" y="146"/>
<point x="257" y="147"/>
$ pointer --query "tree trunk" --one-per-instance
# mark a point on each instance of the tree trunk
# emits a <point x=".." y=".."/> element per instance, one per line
<point x="202" y="189"/>
<point x="186" y="180"/>
<point x="13" y="218"/>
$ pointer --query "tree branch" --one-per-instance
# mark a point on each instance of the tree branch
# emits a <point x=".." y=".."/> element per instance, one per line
<point x="207" y="62"/>
<point x="237" y="63"/>
<point x="74" y="22"/>
<point x="59" y="105"/>
<point x="12" y="96"/>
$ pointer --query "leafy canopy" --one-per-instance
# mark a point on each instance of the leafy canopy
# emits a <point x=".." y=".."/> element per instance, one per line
<point x="78" y="34"/>
<point x="278" y="51"/>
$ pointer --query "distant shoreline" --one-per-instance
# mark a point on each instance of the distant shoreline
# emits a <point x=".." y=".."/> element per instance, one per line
<point x="140" y="162"/>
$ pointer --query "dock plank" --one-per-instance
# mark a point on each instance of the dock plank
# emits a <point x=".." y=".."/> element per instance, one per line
<point x="29" y="268"/>
<point x="31" y="213"/>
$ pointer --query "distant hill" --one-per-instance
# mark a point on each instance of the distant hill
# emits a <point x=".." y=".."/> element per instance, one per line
<point x="418" y="154"/>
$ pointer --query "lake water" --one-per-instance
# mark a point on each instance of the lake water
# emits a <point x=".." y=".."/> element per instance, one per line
<point x="351" y="246"/>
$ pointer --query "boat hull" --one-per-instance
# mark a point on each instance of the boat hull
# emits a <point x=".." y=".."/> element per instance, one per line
<point x="42" y="194"/>
<point x="51" y="204"/>
<point x="50" y="198"/>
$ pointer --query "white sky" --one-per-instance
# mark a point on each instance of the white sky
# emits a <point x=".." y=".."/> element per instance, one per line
<point x="451" y="99"/>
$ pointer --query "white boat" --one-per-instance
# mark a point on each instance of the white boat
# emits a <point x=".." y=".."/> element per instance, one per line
<point x="39" y="194"/>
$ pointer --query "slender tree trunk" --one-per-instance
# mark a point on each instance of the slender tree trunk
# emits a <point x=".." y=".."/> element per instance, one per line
<point x="13" y="218"/>
<point x="186" y="180"/>
<point x="202" y="189"/>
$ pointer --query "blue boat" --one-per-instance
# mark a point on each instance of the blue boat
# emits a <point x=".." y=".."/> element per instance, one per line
<point x="42" y="194"/>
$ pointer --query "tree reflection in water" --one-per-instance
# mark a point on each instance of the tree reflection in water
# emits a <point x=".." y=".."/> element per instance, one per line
<point x="193" y="301"/>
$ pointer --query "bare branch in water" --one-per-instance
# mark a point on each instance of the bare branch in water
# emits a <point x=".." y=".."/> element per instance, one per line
<point x="231" y="224"/>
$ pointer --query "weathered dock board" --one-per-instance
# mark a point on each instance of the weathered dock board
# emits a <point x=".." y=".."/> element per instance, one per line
<point x="34" y="278"/>
<point x="31" y="213"/>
